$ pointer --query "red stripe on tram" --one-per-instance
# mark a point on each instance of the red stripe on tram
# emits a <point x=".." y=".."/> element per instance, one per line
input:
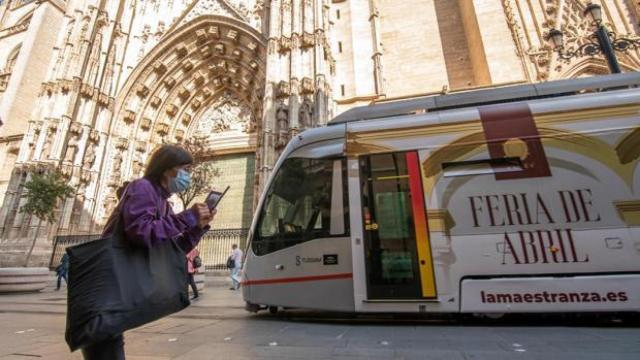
<point x="298" y="279"/>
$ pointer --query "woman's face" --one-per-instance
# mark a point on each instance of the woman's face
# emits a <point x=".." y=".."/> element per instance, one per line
<point x="173" y="172"/>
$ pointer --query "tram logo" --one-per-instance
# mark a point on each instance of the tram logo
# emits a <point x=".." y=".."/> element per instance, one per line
<point x="306" y="260"/>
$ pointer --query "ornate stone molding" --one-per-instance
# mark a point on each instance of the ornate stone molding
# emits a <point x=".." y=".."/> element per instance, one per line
<point x="142" y="90"/>
<point x="171" y="110"/>
<point x="145" y="124"/>
<point x="64" y="86"/>
<point x="283" y="89"/>
<point x="129" y="116"/>
<point x="122" y="144"/>
<point x="307" y="86"/>
<point x="162" y="128"/>
<point x="75" y="128"/>
<point x="285" y="44"/>
<point x="21" y="27"/>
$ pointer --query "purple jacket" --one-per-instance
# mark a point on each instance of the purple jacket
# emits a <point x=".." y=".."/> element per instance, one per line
<point x="147" y="217"/>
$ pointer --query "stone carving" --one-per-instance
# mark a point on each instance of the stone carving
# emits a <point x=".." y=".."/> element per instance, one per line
<point x="307" y="86"/>
<point x="122" y="143"/>
<point x="282" y="126"/>
<point x="94" y="136"/>
<point x="46" y="147"/>
<point x="138" y="164"/>
<point x="90" y="155"/>
<point x="306" y="114"/>
<point x="539" y="57"/>
<point x="221" y="124"/>
<point x="256" y="14"/>
<point x="66" y="171"/>
<point x="249" y="126"/>
<point x="285" y="44"/>
<point x="249" y="11"/>
<point x="283" y="90"/>
<point x="226" y="115"/>
<point x="117" y="165"/>
<point x="159" y="67"/>
<point x="110" y="203"/>
<point x="32" y="141"/>
<point x="72" y="148"/>
<point x="160" y="30"/>
<point x="85" y="178"/>
<point x="31" y="149"/>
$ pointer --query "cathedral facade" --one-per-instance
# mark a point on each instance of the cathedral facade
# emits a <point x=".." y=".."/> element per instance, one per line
<point x="91" y="87"/>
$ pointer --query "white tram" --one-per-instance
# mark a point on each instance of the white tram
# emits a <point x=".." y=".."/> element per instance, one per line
<point x="515" y="199"/>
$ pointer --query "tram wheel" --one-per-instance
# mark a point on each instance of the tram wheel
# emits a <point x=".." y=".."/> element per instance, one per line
<point x="253" y="308"/>
<point x="273" y="310"/>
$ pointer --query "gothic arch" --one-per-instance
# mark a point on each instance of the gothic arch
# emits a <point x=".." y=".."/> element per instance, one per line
<point x="12" y="58"/>
<point x="590" y="67"/>
<point x="172" y="86"/>
<point x="211" y="53"/>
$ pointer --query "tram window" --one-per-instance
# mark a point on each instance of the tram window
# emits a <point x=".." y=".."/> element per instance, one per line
<point x="306" y="200"/>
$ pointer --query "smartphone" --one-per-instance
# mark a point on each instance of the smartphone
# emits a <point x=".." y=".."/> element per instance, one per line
<point x="214" y="198"/>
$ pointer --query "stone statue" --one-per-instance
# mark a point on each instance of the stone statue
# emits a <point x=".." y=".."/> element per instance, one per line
<point x="117" y="164"/>
<point x="32" y="147"/>
<point x="282" y="126"/>
<point x="249" y="126"/>
<point x="110" y="204"/>
<point x="221" y="124"/>
<point x="46" y="147"/>
<point x="138" y="164"/>
<point x="306" y="114"/>
<point x="72" y="149"/>
<point x="90" y="155"/>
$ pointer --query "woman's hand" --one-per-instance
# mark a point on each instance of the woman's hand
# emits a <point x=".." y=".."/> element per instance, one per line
<point x="203" y="214"/>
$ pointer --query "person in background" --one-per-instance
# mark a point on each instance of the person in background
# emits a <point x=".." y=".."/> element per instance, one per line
<point x="147" y="220"/>
<point x="236" y="255"/>
<point x="191" y="270"/>
<point x="62" y="270"/>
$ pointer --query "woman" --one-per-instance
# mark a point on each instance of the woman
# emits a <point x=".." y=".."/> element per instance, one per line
<point x="191" y="271"/>
<point x="147" y="219"/>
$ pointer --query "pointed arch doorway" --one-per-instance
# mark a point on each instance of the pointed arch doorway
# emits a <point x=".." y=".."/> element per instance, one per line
<point x="204" y="79"/>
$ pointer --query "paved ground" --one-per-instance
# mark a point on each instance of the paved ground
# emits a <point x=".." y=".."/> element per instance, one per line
<point x="217" y="327"/>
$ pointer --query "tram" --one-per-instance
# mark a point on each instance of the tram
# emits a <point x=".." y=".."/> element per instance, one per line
<point x="517" y="199"/>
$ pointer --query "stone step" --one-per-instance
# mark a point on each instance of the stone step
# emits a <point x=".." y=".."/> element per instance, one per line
<point x="23" y="279"/>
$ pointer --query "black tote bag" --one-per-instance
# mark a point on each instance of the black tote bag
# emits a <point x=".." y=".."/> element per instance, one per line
<point x="114" y="286"/>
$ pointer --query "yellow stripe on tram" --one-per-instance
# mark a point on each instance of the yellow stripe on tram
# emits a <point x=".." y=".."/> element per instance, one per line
<point x="423" y="243"/>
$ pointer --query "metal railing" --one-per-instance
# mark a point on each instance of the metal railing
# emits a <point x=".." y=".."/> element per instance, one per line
<point x="215" y="246"/>
<point x="61" y="243"/>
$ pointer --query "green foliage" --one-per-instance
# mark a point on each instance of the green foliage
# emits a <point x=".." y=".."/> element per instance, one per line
<point x="203" y="172"/>
<point x="42" y="192"/>
<point x="201" y="177"/>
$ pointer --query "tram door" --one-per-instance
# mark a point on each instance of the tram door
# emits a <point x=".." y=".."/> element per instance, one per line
<point x="397" y="249"/>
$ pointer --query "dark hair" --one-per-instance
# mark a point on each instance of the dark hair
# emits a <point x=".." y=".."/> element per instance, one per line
<point x="165" y="158"/>
<point x="121" y="189"/>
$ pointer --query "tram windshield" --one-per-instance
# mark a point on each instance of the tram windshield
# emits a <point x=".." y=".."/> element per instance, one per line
<point x="306" y="201"/>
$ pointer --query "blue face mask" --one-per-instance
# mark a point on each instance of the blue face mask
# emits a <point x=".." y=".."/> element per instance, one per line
<point x="180" y="183"/>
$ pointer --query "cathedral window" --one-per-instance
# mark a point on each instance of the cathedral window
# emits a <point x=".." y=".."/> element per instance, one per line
<point x="5" y="73"/>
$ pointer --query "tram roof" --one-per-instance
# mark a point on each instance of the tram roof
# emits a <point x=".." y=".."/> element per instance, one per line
<point x="488" y="97"/>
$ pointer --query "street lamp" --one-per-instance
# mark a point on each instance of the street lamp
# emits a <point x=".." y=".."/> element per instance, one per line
<point x="606" y="42"/>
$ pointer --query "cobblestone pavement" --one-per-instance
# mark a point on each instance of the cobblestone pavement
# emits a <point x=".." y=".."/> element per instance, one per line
<point x="217" y="327"/>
